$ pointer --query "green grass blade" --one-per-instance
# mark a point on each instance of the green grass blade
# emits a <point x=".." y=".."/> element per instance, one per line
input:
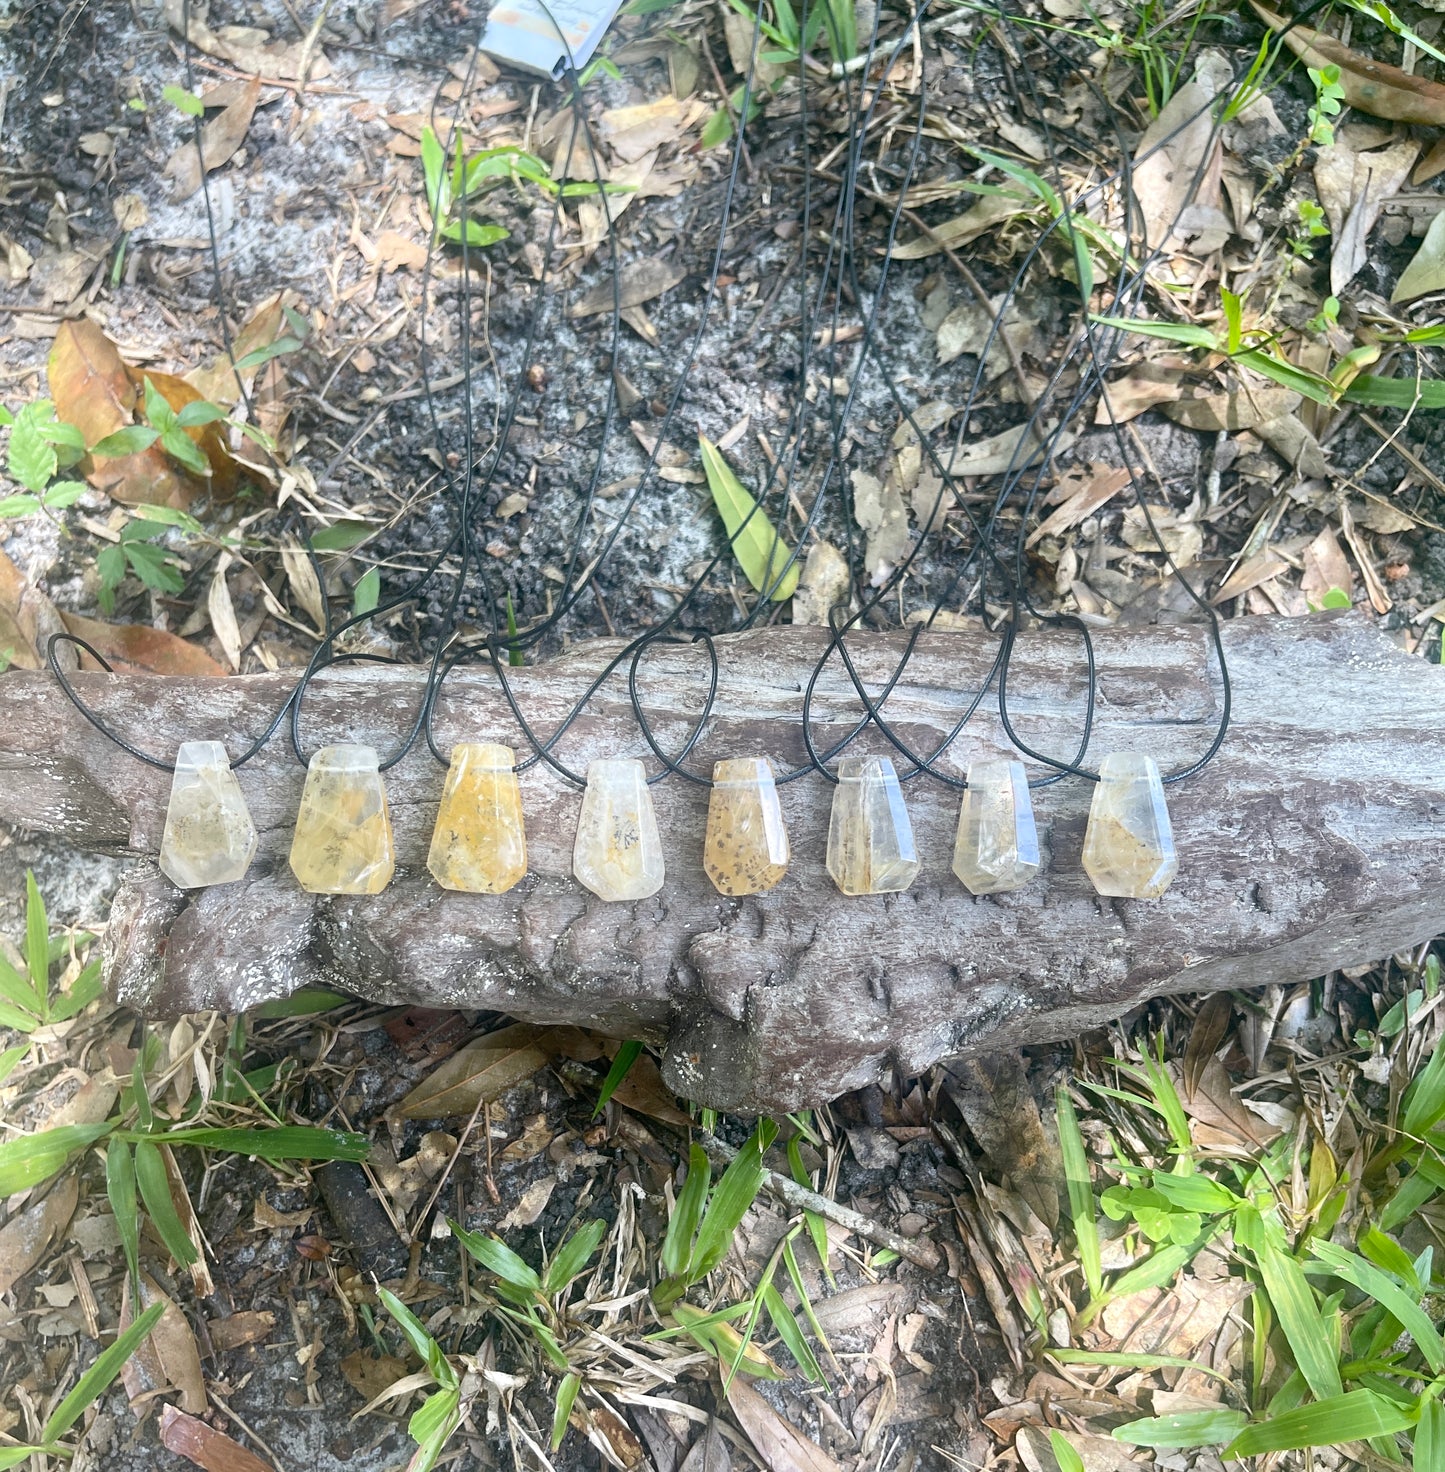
<point x="106" y="1367"/>
<point x="1124" y="1361"/>
<point x="1293" y="1302"/>
<point x="735" y="1191"/>
<point x="1355" y="1416"/>
<point x="289" y="1142"/>
<point x="10" y="1059"/>
<point x="686" y="1213"/>
<point x="155" y="1191"/>
<point x="37" y="945"/>
<point x="34" y="1158"/>
<point x="566" y="1399"/>
<point x="1424" y="1101"/>
<point x="817" y="1227"/>
<point x="120" y="1188"/>
<point x="85" y="989"/>
<point x="302" y="1002"/>
<point x="1430" y="1438"/>
<point x="1387" y="1292"/>
<point x="627" y="1055"/>
<point x="1158" y="1269"/>
<point x="1180" y="332"/>
<point x="761" y="553"/>
<point x="496" y="1256"/>
<point x="573" y="1256"/>
<point x="16" y="989"/>
<point x="790" y="1261"/>
<point x="1065" y="1452"/>
<point x="1386" y="1253"/>
<point x="427" y="1350"/>
<point x="791" y="1334"/>
<point x="1396" y="393"/>
<point x="1081" y="1191"/>
<point x="1184" y="1429"/>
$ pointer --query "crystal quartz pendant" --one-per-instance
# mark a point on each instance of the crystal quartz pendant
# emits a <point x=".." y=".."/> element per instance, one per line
<point x="746" y="847"/>
<point x="1129" y="844"/>
<point x="343" y="829"/>
<point x="618" y="853"/>
<point x="478" y="844"/>
<point x="209" y="837"/>
<point x="870" y="838"/>
<point x="998" y="844"/>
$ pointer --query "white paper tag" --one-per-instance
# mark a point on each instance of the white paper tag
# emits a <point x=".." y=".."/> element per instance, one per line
<point x="523" y="34"/>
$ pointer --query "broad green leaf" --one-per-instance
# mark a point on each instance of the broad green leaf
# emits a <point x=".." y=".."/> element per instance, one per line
<point x="566" y="1399"/>
<point x="1195" y="1193"/>
<point x="301" y="1003"/>
<point x="428" y="1351"/>
<point x="128" y="441"/>
<point x="1354" y="1416"/>
<point x="17" y="990"/>
<point x="1396" y="393"/>
<point x="289" y="1142"/>
<point x="473" y="232"/>
<point x="1287" y="375"/>
<point x="158" y="411"/>
<point x="342" y="536"/>
<point x="104" y="1369"/>
<point x="34" y="1158"/>
<point x="1081" y="1191"/>
<point x="1293" y="1302"/>
<point x="494" y="1254"/>
<point x="1182" y="332"/>
<point x="1066" y="1454"/>
<point x="627" y="1055"/>
<point x="573" y="1256"/>
<point x="31" y="458"/>
<point x="367" y="592"/>
<point x="120" y="1189"/>
<point x="188" y="102"/>
<point x="686" y="1213"/>
<point x="434" y="171"/>
<point x="14" y="1017"/>
<point x="1184" y="1429"/>
<point x="152" y="565"/>
<point x="65" y="493"/>
<point x="734" y="1193"/>
<point x="180" y="446"/>
<point x="37" y="942"/>
<point x="1158" y="1269"/>
<point x="10" y="1059"/>
<point x="199" y="411"/>
<point x="1424" y="1101"/>
<point x="1387" y="1292"/>
<point x="155" y="1191"/>
<point x="259" y="356"/>
<point x="761" y="553"/>
<point x="19" y="505"/>
<point x="437" y="1412"/>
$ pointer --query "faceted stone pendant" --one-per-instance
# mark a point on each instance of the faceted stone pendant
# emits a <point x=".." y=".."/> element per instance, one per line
<point x="618" y="853"/>
<point x="343" y="829"/>
<point x="998" y="844"/>
<point x="870" y="837"/>
<point x="479" y="844"/>
<point x="209" y="837"/>
<point x="746" y="847"/>
<point x="1129" y="843"/>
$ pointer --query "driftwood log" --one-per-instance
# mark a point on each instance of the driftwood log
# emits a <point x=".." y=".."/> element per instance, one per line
<point x="1315" y="840"/>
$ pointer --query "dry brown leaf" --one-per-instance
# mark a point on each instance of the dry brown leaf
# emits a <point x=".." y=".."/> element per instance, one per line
<point x="782" y="1447"/>
<point x="223" y="614"/>
<point x="26" y="1237"/>
<point x="609" y="1433"/>
<point x="824" y="582"/>
<point x="1009" y="449"/>
<point x="1260" y="568"/>
<point x="1084" y="491"/>
<point x="1374" y="87"/>
<point x="709" y="1452"/>
<point x="27" y="619"/>
<point x="991" y="210"/>
<point x="483" y="1070"/>
<point x="879" y="510"/>
<point x="632" y="132"/>
<point x="168" y="1357"/>
<point x="246" y="48"/>
<point x="644" y="1092"/>
<point x="217" y="380"/>
<point x="205" y="1446"/>
<point x="1326" y="567"/>
<point x="221" y="136"/>
<point x="1219" y="1118"/>
<point x="535" y="1137"/>
<point x="138" y="649"/>
<point x="265" y="1217"/>
<point x="1211" y="1026"/>
<point x="1234" y="410"/>
<point x="1353" y="189"/>
<point x="637" y="282"/>
<point x="246" y="1327"/>
<point x="370" y="1376"/>
<point x="398" y="252"/>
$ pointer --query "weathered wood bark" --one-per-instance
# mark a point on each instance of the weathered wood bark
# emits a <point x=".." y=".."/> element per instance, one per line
<point x="1315" y="840"/>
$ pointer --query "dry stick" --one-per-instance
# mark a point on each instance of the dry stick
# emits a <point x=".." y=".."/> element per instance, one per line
<point x="917" y="1249"/>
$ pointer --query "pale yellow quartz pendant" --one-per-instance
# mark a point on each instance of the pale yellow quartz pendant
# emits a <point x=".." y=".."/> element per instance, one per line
<point x="998" y="842"/>
<point x="343" y="829"/>
<point x="209" y="837"/>
<point x="745" y="850"/>
<point x="479" y="844"/>
<point x="870" y="837"/>
<point x="618" y="853"/>
<point x="1129" y="843"/>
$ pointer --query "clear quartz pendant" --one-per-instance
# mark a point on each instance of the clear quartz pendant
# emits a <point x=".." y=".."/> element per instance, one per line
<point x="870" y="837"/>
<point x="479" y="844"/>
<point x="1129" y="843"/>
<point x="998" y="843"/>
<point x="746" y="847"/>
<point x="343" y="840"/>
<point x="209" y="837"/>
<point x="618" y="852"/>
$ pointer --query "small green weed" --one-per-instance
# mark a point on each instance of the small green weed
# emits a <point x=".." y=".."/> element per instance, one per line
<point x="1329" y="99"/>
<point x="40" y="447"/>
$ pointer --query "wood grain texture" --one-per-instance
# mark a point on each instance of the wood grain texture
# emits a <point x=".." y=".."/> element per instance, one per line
<point x="1314" y="841"/>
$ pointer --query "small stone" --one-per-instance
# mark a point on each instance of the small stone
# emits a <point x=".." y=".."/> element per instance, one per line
<point x="618" y="853"/>
<point x="745" y="850"/>
<point x="870" y="837"/>
<point x="1129" y="843"/>
<point x="998" y="843"/>
<point x="479" y="844"/>
<point x="209" y="837"/>
<point x="343" y="829"/>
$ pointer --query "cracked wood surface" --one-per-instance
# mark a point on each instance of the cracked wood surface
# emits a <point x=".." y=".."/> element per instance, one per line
<point x="1314" y="841"/>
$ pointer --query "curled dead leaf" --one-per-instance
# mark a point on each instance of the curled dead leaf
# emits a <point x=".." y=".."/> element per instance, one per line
<point x="221" y="136"/>
<point x="169" y="1357"/>
<point x="26" y="1237"/>
<point x="27" y="619"/>
<point x="138" y="649"/>
<point x="481" y="1071"/>
<point x="197" y="1442"/>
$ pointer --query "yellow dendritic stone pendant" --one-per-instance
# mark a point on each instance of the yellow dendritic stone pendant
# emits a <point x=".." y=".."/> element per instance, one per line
<point x="1129" y="843"/>
<point x="618" y="852"/>
<point x="998" y="842"/>
<point x="209" y="837"/>
<point x="343" y="829"/>
<point x="870" y="837"/>
<point x="479" y="844"/>
<point x="746" y="847"/>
